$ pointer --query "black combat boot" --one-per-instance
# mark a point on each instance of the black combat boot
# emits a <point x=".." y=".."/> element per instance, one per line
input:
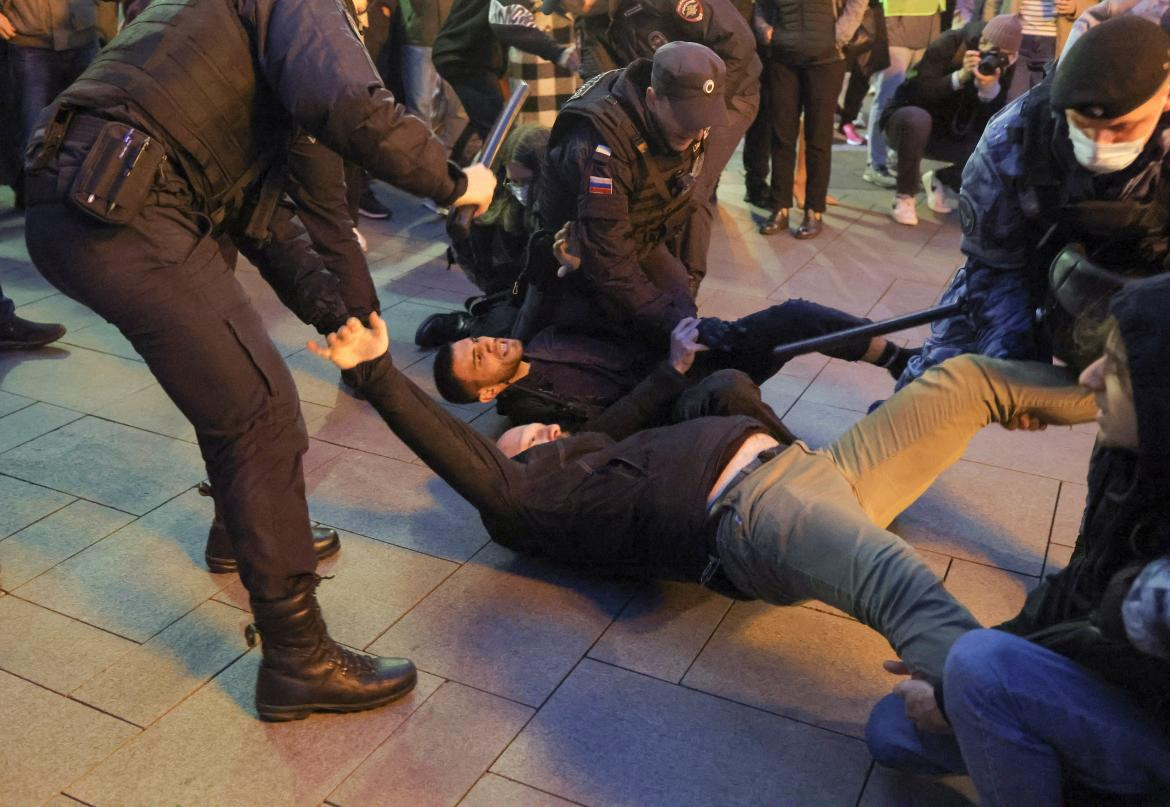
<point x="221" y="557"/>
<point x="304" y="671"/>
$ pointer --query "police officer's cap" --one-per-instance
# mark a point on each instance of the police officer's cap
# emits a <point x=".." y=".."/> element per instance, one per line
<point x="1113" y="69"/>
<point x="693" y="79"/>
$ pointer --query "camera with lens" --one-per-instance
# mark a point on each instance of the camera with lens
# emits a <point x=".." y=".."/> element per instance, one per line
<point x="992" y="60"/>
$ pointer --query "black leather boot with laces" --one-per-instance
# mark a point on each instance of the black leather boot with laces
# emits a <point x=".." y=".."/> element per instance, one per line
<point x="304" y="671"/>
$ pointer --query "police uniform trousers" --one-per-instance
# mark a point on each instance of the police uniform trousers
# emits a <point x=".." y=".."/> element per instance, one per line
<point x="721" y="144"/>
<point x="162" y="280"/>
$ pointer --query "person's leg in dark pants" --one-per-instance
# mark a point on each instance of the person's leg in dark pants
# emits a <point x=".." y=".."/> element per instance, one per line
<point x="820" y="85"/>
<point x="39" y="74"/>
<point x="725" y="393"/>
<point x="317" y="186"/>
<point x="908" y="130"/>
<point x="757" y="148"/>
<point x="784" y="106"/>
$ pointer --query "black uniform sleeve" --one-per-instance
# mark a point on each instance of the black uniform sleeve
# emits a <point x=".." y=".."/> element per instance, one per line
<point x="642" y="407"/>
<point x="515" y="27"/>
<point x="465" y="459"/>
<point x="930" y="80"/>
<point x="311" y="54"/>
<point x="720" y="26"/>
<point x="609" y="259"/>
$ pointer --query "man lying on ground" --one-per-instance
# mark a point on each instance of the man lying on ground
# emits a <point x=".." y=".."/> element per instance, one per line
<point x="716" y="501"/>
<point x="568" y="377"/>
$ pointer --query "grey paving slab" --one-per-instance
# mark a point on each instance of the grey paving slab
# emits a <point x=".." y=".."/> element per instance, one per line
<point x="355" y="424"/>
<point x="104" y="338"/>
<point x="662" y="629"/>
<point x="819" y="424"/>
<point x="72" y="377"/>
<point x="796" y="662"/>
<point x="610" y="736"/>
<point x="109" y="463"/>
<point x="52" y="650"/>
<point x="319" y="453"/>
<point x="1070" y="506"/>
<point x="31" y="422"/>
<point x="140" y="579"/>
<point x="982" y="513"/>
<point x="394" y="501"/>
<point x="992" y="595"/>
<point x="403" y="320"/>
<point x="729" y="304"/>
<point x="889" y="788"/>
<point x="151" y="678"/>
<point x="1058" y="558"/>
<point x="373" y="584"/>
<point x="10" y="403"/>
<point x="61" y="534"/>
<point x="850" y="385"/>
<point x="22" y="503"/>
<point x="212" y="749"/>
<point x="151" y="410"/>
<point x="506" y="624"/>
<point x="22" y="283"/>
<point x="781" y="392"/>
<point x="496" y="791"/>
<point x="49" y="740"/>
<point x="1057" y="452"/>
<point x="59" y="308"/>
<point x="317" y="381"/>
<point x="420" y="765"/>
<point x="846" y="279"/>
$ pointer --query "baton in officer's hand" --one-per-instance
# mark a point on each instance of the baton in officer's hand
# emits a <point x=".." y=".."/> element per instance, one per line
<point x="460" y="217"/>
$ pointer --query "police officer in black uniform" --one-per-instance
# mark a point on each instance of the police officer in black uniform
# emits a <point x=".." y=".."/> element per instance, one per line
<point x="132" y="174"/>
<point x="623" y="159"/>
<point x="620" y="31"/>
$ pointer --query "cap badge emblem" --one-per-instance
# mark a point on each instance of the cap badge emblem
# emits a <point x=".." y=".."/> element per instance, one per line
<point x="709" y="86"/>
<point x="690" y="10"/>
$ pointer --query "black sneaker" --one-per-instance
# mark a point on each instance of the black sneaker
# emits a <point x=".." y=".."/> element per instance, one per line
<point x="20" y="334"/>
<point x="371" y="208"/>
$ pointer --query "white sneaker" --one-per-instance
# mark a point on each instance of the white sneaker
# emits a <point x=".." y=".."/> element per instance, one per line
<point x="879" y="175"/>
<point x="905" y="211"/>
<point x="939" y="197"/>
<point x="361" y="239"/>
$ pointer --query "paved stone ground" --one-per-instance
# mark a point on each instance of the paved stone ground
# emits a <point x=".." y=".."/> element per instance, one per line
<point x="125" y="679"/>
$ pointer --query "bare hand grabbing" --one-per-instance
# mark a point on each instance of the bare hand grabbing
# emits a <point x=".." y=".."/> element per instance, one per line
<point x="481" y="186"/>
<point x="566" y="250"/>
<point x="683" y="344"/>
<point x="921" y="703"/>
<point x="1025" y="421"/>
<point x="353" y="343"/>
<point x="7" y="29"/>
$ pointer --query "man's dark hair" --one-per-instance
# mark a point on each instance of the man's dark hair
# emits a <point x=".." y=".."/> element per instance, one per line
<point x="451" y="388"/>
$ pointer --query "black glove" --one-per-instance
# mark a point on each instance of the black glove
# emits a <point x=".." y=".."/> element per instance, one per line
<point x="1107" y="614"/>
<point x="721" y="335"/>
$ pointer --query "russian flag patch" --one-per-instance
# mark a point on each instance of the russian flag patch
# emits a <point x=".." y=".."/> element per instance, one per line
<point x="603" y="186"/>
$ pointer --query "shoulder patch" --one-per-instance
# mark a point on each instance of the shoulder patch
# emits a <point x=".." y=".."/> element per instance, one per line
<point x="967" y="217"/>
<point x="601" y="186"/>
<point x="690" y="10"/>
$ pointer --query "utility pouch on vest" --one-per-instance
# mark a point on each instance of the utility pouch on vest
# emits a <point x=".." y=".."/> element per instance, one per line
<point x="118" y="173"/>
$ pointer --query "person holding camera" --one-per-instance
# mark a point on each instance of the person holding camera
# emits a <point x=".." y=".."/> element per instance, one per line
<point x="942" y="108"/>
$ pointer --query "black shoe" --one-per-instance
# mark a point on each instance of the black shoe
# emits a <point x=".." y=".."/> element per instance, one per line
<point x="302" y="670"/>
<point x="811" y="226"/>
<point x="221" y="558"/>
<point x="439" y="329"/>
<point x="776" y="222"/>
<point x="759" y="198"/>
<point x="370" y="207"/>
<point x="20" y="334"/>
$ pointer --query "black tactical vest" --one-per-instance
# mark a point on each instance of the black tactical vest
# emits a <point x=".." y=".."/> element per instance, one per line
<point x="661" y="202"/>
<point x="188" y="67"/>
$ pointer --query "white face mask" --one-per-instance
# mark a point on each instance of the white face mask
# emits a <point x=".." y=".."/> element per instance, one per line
<point x="1103" y="158"/>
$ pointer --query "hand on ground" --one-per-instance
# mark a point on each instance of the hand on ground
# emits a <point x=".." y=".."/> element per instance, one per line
<point x="353" y="343"/>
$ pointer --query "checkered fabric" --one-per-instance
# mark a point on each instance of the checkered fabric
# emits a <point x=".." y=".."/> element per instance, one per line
<point x="549" y="86"/>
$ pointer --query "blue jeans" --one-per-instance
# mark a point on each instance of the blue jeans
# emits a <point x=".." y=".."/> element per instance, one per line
<point x="40" y="74"/>
<point x="1027" y="720"/>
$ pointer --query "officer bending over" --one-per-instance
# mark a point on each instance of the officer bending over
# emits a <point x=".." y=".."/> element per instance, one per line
<point x="1075" y="168"/>
<point x="715" y="500"/>
<point x="132" y="173"/>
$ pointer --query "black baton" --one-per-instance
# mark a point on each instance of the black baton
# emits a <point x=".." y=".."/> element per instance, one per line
<point x="459" y="219"/>
<point x="819" y="343"/>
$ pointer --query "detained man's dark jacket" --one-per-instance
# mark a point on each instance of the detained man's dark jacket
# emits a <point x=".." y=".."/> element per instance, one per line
<point x="613" y="499"/>
<point x="1126" y="524"/>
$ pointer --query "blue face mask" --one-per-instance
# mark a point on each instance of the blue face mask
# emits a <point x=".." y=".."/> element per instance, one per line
<point x="518" y="190"/>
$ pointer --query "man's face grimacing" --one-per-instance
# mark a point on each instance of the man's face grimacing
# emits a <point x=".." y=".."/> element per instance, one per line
<point x="678" y="136"/>
<point x="522" y="438"/>
<point x="486" y="363"/>
<point x="1108" y="379"/>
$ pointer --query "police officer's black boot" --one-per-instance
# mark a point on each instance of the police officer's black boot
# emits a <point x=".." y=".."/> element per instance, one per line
<point x="221" y="556"/>
<point x="303" y="670"/>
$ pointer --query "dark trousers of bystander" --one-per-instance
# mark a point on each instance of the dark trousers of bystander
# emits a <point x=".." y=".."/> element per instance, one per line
<point x="757" y="142"/>
<point x="811" y="91"/>
<point x="911" y="132"/>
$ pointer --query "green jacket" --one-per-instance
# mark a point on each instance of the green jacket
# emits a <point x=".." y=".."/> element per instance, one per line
<point x="423" y="19"/>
